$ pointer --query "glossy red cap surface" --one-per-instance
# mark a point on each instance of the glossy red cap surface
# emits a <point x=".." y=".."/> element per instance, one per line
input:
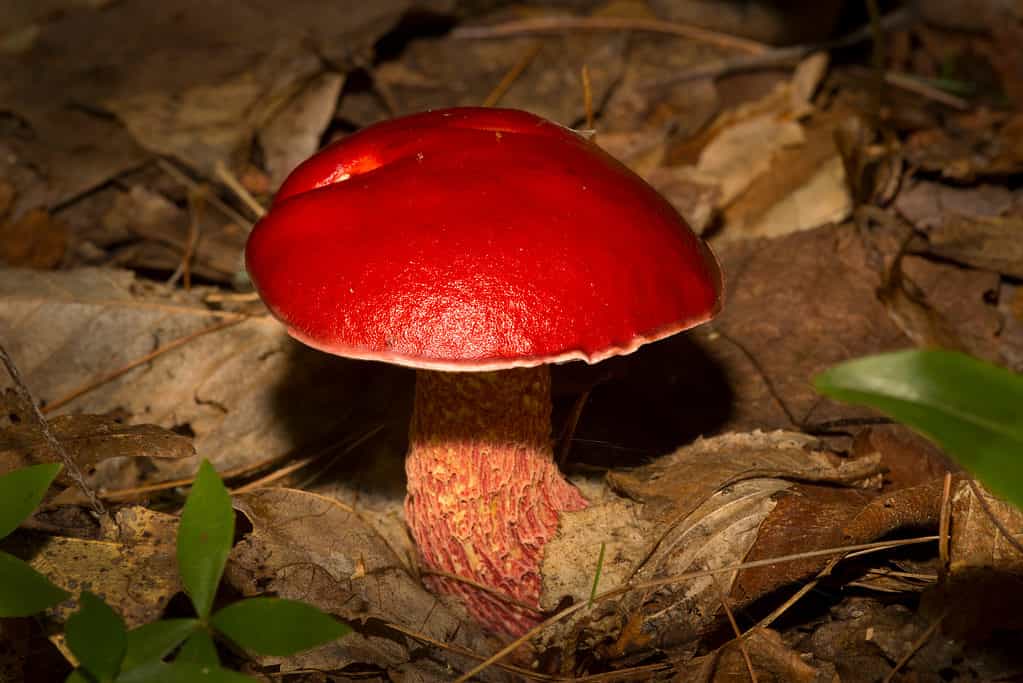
<point x="477" y="239"/>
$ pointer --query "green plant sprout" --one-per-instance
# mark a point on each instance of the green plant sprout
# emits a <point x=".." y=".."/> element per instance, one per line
<point x="107" y="652"/>
<point x="972" y="409"/>
<point x="23" y="590"/>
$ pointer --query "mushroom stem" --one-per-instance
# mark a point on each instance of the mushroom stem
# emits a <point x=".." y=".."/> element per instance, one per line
<point x="484" y="493"/>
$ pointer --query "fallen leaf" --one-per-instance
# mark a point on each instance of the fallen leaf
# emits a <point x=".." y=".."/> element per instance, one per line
<point x="133" y="567"/>
<point x="702" y="507"/>
<point x="293" y="134"/>
<point x="308" y="547"/>
<point x="984" y="144"/>
<point x="994" y="244"/>
<point x="35" y="240"/>
<point x="445" y="72"/>
<point x="771" y="658"/>
<point x="245" y="391"/>
<point x="88" y="439"/>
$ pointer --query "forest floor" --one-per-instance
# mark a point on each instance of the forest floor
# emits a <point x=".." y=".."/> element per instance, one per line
<point x="861" y="188"/>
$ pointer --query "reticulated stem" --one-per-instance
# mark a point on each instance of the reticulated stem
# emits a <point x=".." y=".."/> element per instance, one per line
<point x="484" y="494"/>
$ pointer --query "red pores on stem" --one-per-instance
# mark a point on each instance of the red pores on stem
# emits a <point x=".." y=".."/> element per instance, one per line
<point x="469" y="240"/>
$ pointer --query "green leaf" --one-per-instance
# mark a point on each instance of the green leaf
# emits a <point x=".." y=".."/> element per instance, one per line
<point x="181" y="672"/>
<point x="20" y="493"/>
<point x="200" y="651"/>
<point x="972" y="409"/>
<point x="96" y="635"/>
<point x="77" y="676"/>
<point x="23" y="590"/>
<point x="204" y="538"/>
<point x="272" y="626"/>
<point x="152" y="642"/>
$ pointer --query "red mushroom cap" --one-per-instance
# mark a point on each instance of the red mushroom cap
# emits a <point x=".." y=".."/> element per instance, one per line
<point x="477" y="239"/>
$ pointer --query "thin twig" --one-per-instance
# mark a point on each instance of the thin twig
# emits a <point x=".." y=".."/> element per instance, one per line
<point x="69" y="464"/>
<point x="740" y="641"/>
<point x="568" y="431"/>
<point x="100" y="380"/>
<point x="945" y="522"/>
<point x="999" y="524"/>
<point x="457" y="649"/>
<point x="587" y="97"/>
<point x="914" y="648"/>
<point x="229" y="179"/>
<point x="780" y="56"/>
<point x="561" y="24"/>
<point x="175" y="173"/>
<point x="184" y="269"/>
<point x="366" y="436"/>
<point x="657" y="583"/>
<point x="924" y="89"/>
<point x="513" y="75"/>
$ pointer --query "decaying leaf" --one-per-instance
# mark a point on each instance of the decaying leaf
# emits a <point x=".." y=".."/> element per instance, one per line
<point x="293" y="134"/>
<point x="702" y="508"/>
<point x="437" y="72"/>
<point x="982" y="144"/>
<point x="133" y="566"/>
<point x="244" y="390"/>
<point x="35" y="240"/>
<point x="89" y="439"/>
<point x="771" y="659"/>
<point x="313" y="548"/>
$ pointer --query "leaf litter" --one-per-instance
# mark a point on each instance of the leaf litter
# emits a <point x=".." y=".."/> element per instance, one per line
<point x="836" y="242"/>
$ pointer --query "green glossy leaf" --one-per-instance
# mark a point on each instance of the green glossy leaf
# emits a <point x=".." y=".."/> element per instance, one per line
<point x="77" y="676"/>
<point x="152" y="642"/>
<point x="972" y="409"/>
<point x="200" y="651"/>
<point x="204" y="538"/>
<point x="181" y="672"/>
<point x="23" y="590"/>
<point x="20" y="493"/>
<point x="96" y="635"/>
<point x="272" y="626"/>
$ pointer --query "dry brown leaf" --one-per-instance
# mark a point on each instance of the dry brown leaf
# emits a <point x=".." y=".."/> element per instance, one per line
<point x="246" y="391"/>
<point x="309" y="547"/>
<point x="206" y="123"/>
<point x="443" y="72"/>
<point x="35" y="240"/>
<point x="133" y="567"/>
<point x="994" y="244"/>
<point x="982" y="144"/>
<point x="771" y="658"/>
<point x="702" y="508"/>
<point x="811" y="191"/>
<point x="143" y="213"/>
<point x="293" y="134"/>
<point x="89" y="439"/>
<point x="163" y="67"/>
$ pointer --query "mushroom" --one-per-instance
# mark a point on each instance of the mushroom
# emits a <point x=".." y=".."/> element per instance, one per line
<point x="478" y="246"/>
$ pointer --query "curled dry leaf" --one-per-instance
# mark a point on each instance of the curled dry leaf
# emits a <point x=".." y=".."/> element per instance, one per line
<point x="89" y="440"/>
<point x="313" y="548"/>
<point x="699" y="508"/>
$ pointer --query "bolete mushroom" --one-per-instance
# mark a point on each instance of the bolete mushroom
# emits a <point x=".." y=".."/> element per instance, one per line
<point x="478" y="246"/>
